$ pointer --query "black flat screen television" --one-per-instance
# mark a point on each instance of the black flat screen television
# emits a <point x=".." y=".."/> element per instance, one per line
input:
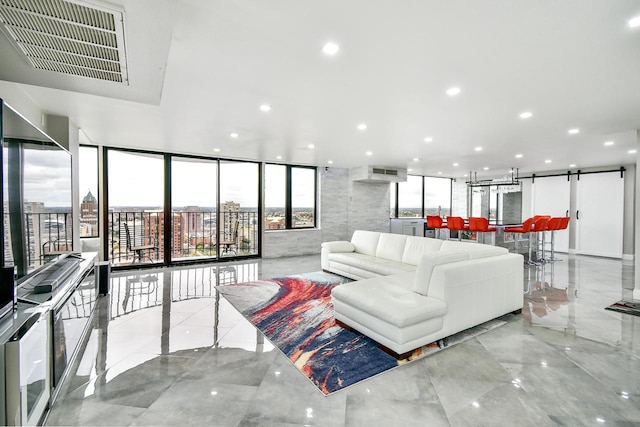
<point x="36" y="195"/>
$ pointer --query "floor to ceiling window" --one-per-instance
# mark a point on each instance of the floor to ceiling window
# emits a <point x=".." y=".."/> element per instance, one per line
<point x="193" y="208"/>
<point x="135" y="229"/>
<point x="88" y="183"/>
<point x="239" y="219"/>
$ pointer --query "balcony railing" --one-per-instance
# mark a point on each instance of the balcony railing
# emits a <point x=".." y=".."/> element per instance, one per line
<point x="194" y="235"/>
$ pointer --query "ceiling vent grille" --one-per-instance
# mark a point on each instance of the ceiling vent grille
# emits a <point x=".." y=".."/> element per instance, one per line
<point x="378" y="174"/>
<point x="69" y="37"/>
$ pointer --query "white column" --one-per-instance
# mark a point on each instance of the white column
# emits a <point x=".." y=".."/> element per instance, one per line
<point x="636" y="290"/>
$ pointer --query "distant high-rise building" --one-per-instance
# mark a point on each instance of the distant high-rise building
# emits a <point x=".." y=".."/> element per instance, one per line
<point x="89" y="216"/>
<point x="230" y="214"/>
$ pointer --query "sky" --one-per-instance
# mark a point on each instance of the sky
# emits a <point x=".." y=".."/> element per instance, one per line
<point x="137" y="180"/>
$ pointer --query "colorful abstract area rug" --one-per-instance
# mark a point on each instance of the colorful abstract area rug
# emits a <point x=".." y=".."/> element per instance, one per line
<point x="295" y="313"/>
<point x="626" y="307"/>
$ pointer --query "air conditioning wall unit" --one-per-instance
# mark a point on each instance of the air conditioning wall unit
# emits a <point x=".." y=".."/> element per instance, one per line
<point x="378" y="174"/>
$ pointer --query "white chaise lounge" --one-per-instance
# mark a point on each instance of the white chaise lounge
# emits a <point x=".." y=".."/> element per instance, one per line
<point x="411" y="291"/>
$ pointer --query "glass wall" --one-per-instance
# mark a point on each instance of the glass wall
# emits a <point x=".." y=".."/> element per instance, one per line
<point x="275" y="195"/>
<point x="410" y="197"/>
<point x="392" y="200"/>
<point x="193" y="208"/>
<point x="420" y="196"/>
<point x="303" y="186"/>
<point x="136" y="202"/>
<point x="239" y="201"/>
<point x="88" y="182"/>
<point x="290" y="197"/>
<point x="437" y="196"/>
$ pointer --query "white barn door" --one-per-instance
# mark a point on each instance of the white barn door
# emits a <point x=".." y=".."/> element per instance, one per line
<point x="551" y="196"/>
<point x="599" y="215"/>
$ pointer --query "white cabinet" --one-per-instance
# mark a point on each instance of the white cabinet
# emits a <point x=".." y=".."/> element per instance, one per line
<point x="410" y="227"/>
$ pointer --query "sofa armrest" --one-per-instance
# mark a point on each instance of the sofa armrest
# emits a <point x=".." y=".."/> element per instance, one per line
<point x="338" y="246"/>
<point x="429" y="262"/>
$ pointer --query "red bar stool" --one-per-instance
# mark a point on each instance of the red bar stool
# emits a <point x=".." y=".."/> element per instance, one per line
<point x="564" y="223"/>
<point x="553" y="225"/>
<point x="538" y="227"/>
<point x="456" y="223"/>
<point x="435" y="222"/>
<point x="481" y="226"/>
<point x="522" y="230"/>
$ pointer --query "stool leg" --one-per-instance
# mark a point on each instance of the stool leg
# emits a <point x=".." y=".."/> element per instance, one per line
<point x="529" y="260"/>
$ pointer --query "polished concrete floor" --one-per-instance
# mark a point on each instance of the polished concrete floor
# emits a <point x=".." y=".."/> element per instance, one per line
<point x="164" y="350"/>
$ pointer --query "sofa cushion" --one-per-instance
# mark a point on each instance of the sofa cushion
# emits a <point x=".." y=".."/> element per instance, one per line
<point x="391" y="246"/>
<point x="365" y="242"/>
<point x="417" y="246"/>
<point x="338" y="246"/>
<point x="428" y="262"/>
<point x="390" y="299"/>
<point x="366" y="262"/>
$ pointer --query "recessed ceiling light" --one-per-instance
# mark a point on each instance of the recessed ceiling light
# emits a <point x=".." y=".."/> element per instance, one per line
<point x="478" y="148"/>
<point x="486" y="168"/>
<point x="265" y="107"/>
<point x="369" y="153"/>
<point x="465" y="175"/>
<point x="518" y="156"/>
<point x="428" y="139"/>
<point x="609" y="143"/>
<point x="362" y="126"/>
<point x="453" y="91"/>
<point x="330" y="162"/>
<point x="330" y="48"/>
<point x="216" y="150"/>
<point x="455" y="164"/>
<point x="311" y="146"/>
<point x="634" y="22"/>
<point x="572" y="165"/>
<point x="233" y="135"/>
<point x="415" y="159"/>
<point x="409" y="170"/>
<point x="279" y="157"/>
<point x="439" y="173"/>
<point x="574" y="131"/>
<point x="632" y="151"/>
<point x="526" y="115"/>
<point x="547" y="161"/>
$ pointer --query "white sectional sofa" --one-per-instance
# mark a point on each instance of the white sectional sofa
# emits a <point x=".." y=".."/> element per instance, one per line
<point x="411" y="291"/>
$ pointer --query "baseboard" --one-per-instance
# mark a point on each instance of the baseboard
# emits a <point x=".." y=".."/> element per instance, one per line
<point x="572" y="251"/>
<point x="628" y="257"/>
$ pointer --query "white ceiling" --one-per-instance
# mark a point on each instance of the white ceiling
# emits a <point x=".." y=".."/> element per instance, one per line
<point x="199" y="70"/>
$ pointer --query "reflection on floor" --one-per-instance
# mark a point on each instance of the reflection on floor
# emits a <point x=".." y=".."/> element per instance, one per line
<point x="165" y="349"/>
